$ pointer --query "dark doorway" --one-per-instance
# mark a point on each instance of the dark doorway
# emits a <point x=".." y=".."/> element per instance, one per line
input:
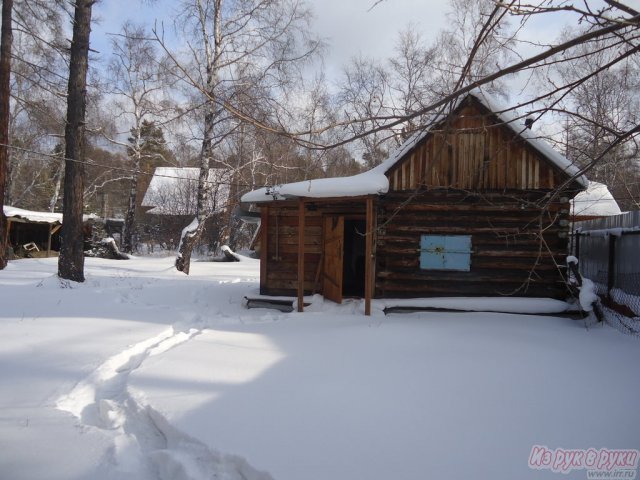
<point x="354" y="253"/>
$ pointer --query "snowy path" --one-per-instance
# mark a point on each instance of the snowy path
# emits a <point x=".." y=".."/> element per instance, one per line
<point x="144" y="443"/>
<point x="66" y="409"/>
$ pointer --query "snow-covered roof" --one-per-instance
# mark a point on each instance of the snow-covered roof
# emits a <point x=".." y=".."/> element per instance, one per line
<point x="375" y="182"/>
<point x="174" y="190"/>
<point x="595" y="201"/>
<point x="38" y="217"/>
<point x="367" y="183"/>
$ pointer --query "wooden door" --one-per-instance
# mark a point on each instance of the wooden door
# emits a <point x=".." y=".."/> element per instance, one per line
<point x="333" y="256"/>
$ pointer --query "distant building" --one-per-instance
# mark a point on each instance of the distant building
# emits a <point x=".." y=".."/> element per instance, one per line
<point x="594" y="202"/>
<point x="169" y="204"/>
<point x="38" y="233"/>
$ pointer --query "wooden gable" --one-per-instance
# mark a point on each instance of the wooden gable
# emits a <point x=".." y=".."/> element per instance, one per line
<point x="473" y="150"/>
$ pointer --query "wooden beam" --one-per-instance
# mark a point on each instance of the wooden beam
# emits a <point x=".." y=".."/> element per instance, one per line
<point x="368" y="265"/>
<point x="7" y="232"/>
<point x="49" y="240"/>
<point x="264" y="247"/>
<point x="317" y="200"/>
<point x="300" y="255"/>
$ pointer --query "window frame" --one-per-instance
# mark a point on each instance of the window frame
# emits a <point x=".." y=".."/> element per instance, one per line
<point x="445" y="252"/>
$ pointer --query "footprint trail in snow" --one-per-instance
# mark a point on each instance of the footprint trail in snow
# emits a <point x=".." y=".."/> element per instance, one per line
<point x="145" y="445"/>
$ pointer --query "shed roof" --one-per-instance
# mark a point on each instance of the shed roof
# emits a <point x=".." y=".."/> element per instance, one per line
<point x="595" y="201"/>
<point x="375" y="181"/>
<point x="38" y="217"/>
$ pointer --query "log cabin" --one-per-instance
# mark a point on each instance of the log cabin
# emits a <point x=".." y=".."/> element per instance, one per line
<point x="474" y="205"/>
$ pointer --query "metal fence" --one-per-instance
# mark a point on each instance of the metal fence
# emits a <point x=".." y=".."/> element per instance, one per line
<point x="608" y="250"/>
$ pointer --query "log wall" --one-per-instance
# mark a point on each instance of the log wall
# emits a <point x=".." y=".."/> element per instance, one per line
<point x="515" y="247"/>
<point x="279" y="260"/>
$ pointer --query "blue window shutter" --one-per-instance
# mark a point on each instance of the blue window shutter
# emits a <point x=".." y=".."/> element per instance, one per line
<point x="445" y="252"/>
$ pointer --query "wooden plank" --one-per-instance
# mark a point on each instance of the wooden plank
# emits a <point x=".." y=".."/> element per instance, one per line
<point x="333" y="258"/>
<point x="420" y="171"/>
<point x="300" y="255"/>
<point x="411" y="171"/>
<point x="50" y="233"/>
<point x="482" y="154"/>
<point x="369" y="260"/>
<point x="264" y="247"/>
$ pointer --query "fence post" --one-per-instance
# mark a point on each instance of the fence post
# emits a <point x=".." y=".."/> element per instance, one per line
<point x="611" y="266"/>
<point x="576" y="244"/>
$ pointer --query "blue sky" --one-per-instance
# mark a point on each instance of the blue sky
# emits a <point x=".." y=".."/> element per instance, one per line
<point x="348" y="26"/>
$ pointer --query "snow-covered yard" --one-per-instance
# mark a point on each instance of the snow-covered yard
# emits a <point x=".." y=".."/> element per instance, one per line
<point x="144" y="373"/>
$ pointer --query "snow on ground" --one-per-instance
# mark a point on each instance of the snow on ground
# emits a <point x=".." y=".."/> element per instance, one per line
<point x="144" y="373"/>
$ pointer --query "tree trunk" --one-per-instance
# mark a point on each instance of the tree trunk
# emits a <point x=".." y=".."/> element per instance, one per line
<point x="5" y="74"/>
<point x="130" y="218"/>
<point x="71" y="261"/>
<point x="192" y="233"/>
<point x="57" y="183"/>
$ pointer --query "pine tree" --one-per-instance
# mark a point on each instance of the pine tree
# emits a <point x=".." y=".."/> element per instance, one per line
<point x="147" y="150"/>
<point x="71" y="261"/>
<point x="5" y="73"/>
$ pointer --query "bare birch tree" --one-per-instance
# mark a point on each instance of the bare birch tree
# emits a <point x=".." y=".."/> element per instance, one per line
<point x="236" y="42"/>
<point x="365" y="94"/>
<point x="614" y="21"/>
<point x="139" y="80"/>
<point x="411" y="76"/>
<point x="596" y="111"/>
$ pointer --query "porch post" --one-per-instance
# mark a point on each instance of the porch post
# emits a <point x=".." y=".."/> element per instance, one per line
<point x="49" y="240"/>
<point x="7" y="236"/>
<point x="300" y="255"/>
<point x="368" y="264"/>
<point x="264" y="247"/>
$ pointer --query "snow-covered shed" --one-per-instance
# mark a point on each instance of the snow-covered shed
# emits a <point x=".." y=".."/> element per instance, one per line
<point x="37" y="231"/>
<point x="169" y="204"/>
<point x="462" y="208"/>
<point x="594" y="202"/>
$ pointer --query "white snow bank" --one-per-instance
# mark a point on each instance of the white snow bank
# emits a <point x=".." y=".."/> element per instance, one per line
<point x="480" y="304"/>
<point x="595" y="201"/>
<point x="588" y="295"/>
<point x="605" y="232"/>
<point x="340" y="396"/>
